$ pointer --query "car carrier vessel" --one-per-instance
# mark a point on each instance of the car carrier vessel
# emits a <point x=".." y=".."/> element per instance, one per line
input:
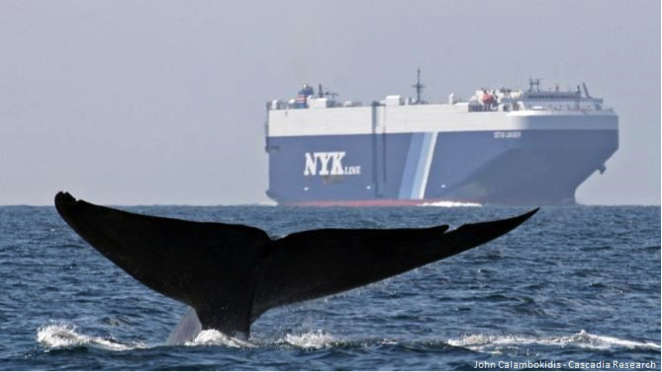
<point x="501" y="146"/>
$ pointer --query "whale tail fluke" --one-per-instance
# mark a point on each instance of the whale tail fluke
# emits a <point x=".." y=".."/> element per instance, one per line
<point x="231" y="274"/>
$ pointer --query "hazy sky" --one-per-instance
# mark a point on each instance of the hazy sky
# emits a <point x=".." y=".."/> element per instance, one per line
<point x="161" y="102"/>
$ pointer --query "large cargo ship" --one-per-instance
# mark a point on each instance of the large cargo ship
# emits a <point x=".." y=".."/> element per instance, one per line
<point x="502" y="146"/>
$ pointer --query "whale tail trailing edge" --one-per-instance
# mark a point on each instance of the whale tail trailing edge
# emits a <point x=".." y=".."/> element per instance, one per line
<point x="231" y="274"/>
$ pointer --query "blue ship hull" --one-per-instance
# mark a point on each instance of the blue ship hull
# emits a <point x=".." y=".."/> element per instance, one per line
<point x="487" y="167"/>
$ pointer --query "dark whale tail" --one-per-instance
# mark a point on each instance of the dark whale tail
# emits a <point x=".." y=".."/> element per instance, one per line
<point x="232" y="274"/>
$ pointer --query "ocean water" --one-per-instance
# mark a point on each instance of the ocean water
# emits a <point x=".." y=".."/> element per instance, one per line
<point x="572" y="285"/>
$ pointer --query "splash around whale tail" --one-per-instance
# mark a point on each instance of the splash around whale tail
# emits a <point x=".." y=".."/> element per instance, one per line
<point x="231" y="274"/>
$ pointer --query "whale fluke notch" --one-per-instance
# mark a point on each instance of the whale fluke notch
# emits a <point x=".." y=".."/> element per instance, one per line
<point x="231" y="274"/>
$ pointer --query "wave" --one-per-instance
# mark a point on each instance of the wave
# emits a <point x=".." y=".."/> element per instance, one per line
<point x="652" y="248"/>
<point x="497" y="343"/>
<point x="64" y="336"/>
<point x="212" y="337"/>
<point x="310" y="340"/>
<point x="450" y="204"/>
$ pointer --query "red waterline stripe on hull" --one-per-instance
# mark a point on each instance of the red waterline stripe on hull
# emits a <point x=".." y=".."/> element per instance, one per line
<point x="360" y="203"/>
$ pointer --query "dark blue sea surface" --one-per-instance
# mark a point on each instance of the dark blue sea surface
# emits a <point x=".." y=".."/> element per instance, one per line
<point x="572" y="285"/>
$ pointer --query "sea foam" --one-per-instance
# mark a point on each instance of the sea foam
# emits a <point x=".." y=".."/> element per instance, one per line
<point x="310" y="340"/>
<point x="497" y="343"/>
<point x="63" y="336"/>
<point x="450" y="204"/>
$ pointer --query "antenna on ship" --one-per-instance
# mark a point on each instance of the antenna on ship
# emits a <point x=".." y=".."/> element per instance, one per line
<point x="534" y="83"/>
<point x="419" y="87"/>
<point x="586" y="90"/>
<point x="321" y="93"/>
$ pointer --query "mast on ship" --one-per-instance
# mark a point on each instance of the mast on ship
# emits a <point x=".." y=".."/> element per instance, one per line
<point x="534" y="83"/>
<point x="418" y="86"/>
